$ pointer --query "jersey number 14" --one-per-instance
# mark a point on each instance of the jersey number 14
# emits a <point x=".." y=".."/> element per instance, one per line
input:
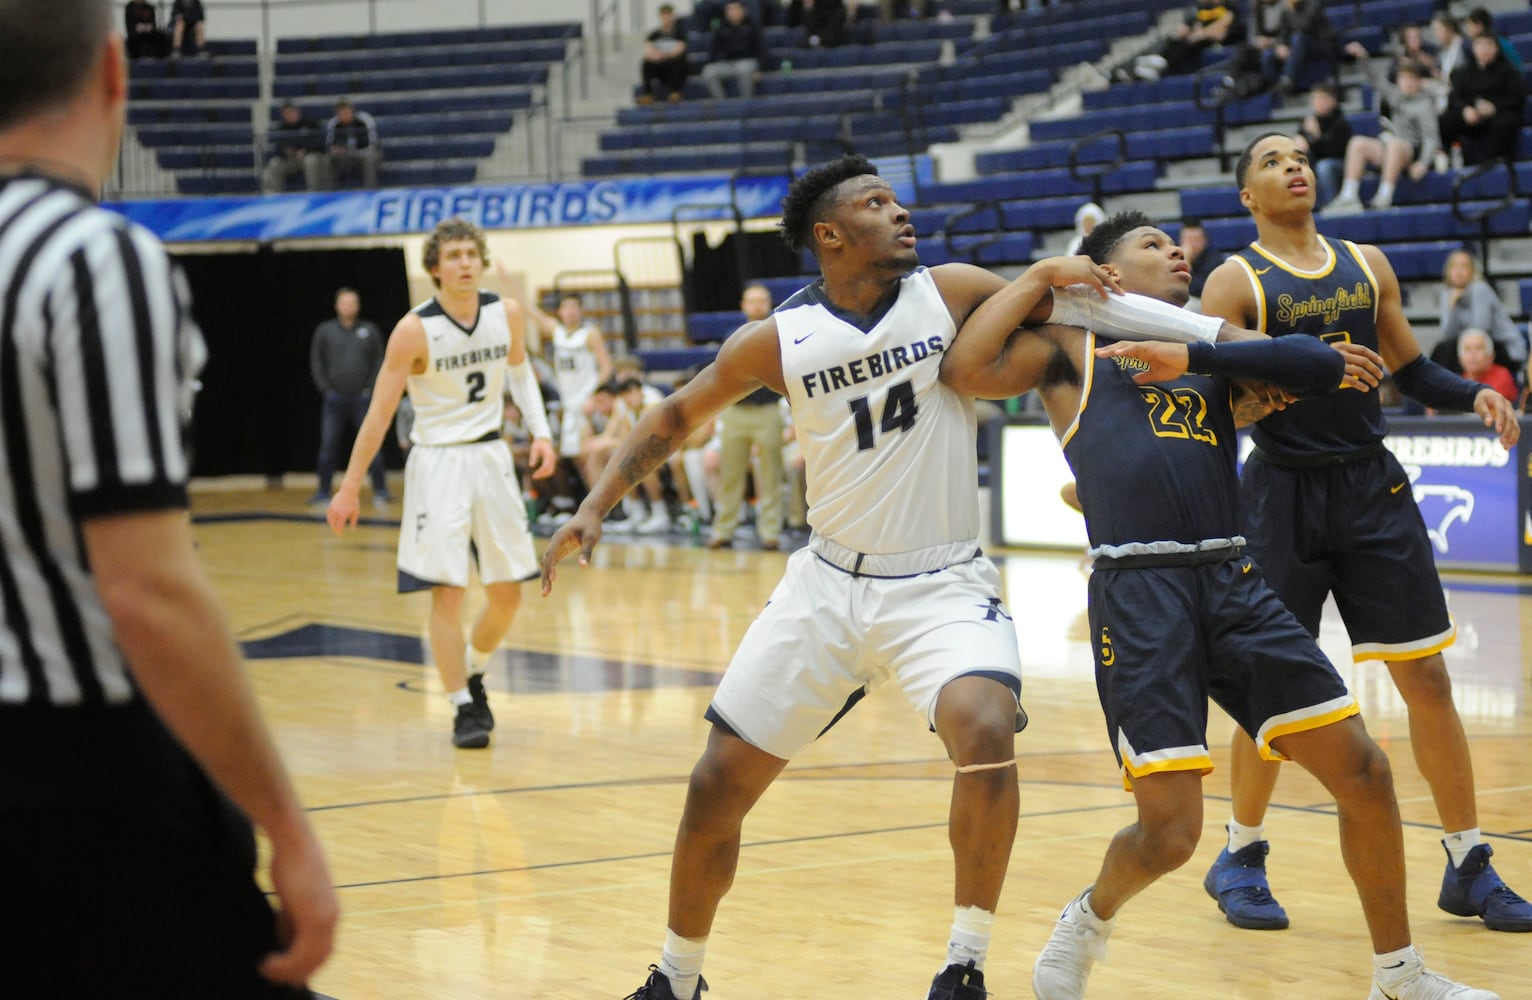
<point x="898" y="414"/>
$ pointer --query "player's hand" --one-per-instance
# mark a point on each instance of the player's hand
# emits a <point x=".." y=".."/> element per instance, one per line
<point x="1062" y="272"/>
<point x="541" y="459"/>
<point x="581" y="532"/>
<point x="1497" y="412"/>
<point x="308" y="910"/>
<point x="343" y="509"/>
<point x="1364" y="368"/>
<point x="1259" y="400"/>
<point x="1165" y="361"/>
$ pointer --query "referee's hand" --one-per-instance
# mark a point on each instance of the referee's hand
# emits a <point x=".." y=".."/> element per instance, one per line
<point x="308" y="909"/>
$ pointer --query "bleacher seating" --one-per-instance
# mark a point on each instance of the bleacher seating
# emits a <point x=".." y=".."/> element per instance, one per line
<point x="441" y="99"/>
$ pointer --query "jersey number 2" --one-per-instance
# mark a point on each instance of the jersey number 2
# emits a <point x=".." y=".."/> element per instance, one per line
<point x="898" y="414"/>
<point x="475" y="386"/>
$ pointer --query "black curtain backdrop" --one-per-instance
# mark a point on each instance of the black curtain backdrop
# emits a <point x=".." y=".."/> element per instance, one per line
<point x="258" y="412"/>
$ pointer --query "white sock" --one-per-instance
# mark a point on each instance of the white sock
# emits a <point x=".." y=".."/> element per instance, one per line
<point x="477" y="659"/>
<point x="1385" y="195"/>
<point x="970" y="936"/>
<point x="1459" y="844"/>
<point x="1350" y="190"/>
<point x="681" y="963"/>
<point x="1102" y="927"/>
<point x="460" y="697"/>
<point x="1241" y="836"/>
<point x="1396" y="967"/>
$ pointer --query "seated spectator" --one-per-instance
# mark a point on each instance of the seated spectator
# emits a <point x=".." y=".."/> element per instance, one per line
<point x="1481" y="23"/>
<point x="1476" y="356"/>
<point x="1484" y="108"/>
<point x="738" y="50"/>
<point x="823" y="22"/>
<point x="188" y="28"/>
<point x="296" y="142"/>
<point x="1324" y="134"/>
<point x="1303" y="49"/>
<point x="1451" y="49"/>
<point x="351" y="138"/>
<point x="1202" y="260"/>
<point x="141" y="30"/>
<point x="1208" y="23"/>
<point x="664" y="67"/>
<point x="1468" y="302"/>
<point x="1410" y="143"/>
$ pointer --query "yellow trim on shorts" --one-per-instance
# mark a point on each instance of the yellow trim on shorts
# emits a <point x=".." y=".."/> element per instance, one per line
<point x="1393" y="653"/>
<point x="1305" y="725"/>
<point x="1202" y="763"/>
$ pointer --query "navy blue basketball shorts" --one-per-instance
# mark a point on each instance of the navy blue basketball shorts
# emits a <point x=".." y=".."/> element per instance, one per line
<point x="1355" y="531"/>
<point x="1168" y="638"/>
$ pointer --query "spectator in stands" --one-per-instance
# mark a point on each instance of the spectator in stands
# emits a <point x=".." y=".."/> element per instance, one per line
<point x="296" y="143"/>
<point x="188" y="29"/>
<point x="1451" y="49"/>
<point x="823" y="22"/>
<point x="1484" y="108"/>
<point x="1410" y="145"/>
<point x="754" y="422"/>
<point x="1202" y="260"/>
<point x="738" y="50"/>
<point x="1324" y="133"/>
<point x="664" y="66"/>
<point x="345" y="356"/>
<point x="1481" y="23"/>
<point x="1086" y="217"/>
<point x="1409" y="45"/>
<point x="1469" y="302"/>
<point x="1208" y="23"/>
<point x="352" y="140"/>
<point x="141" y="29"/>
<point x="1476" y="356"/>
<point x="1303" y="49"/>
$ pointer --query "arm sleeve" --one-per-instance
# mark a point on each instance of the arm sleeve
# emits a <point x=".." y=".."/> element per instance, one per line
<point x="1131" y="317"/>
<point x="1429" y="384"/>
<point x="1305" y="365"/>
<point x="522" y="382"/>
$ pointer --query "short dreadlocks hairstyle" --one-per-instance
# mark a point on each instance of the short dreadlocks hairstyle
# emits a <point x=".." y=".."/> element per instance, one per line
<point x="1102" y="241"/>
<point x="807" y="201"/>
<point x="1242" y="168"/>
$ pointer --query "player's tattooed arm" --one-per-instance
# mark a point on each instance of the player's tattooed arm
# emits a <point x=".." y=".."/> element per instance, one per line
<point x="645" y="457"/>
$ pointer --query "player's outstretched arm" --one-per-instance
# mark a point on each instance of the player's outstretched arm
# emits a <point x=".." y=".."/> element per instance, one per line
<point x="1304" y="365"/>
<point x="406" y="353"/>
<point x="749" y="359"/>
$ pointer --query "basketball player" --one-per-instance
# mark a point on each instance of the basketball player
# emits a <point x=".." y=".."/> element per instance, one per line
<point x="580" y="363"/>
<point x="457" y="354"/>
<point x="891" y="465"/>
<point x="1177" y="611"/>
<point x="133" y="755"/>
<point x="1328" y="510"/>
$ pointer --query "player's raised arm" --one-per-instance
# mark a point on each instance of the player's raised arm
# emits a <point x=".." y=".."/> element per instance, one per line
<point x="748" y="359"/>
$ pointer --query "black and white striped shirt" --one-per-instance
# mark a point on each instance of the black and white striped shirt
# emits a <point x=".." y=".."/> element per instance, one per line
<point x="98" y="360"/>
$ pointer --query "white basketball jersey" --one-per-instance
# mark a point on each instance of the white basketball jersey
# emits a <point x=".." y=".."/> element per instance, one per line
<point x="574" y="366"/>
<point x="889" y="451"/>
<point x="457" y="398"/>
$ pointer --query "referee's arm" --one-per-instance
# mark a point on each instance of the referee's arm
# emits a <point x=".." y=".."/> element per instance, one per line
<point x="173" y="633"/>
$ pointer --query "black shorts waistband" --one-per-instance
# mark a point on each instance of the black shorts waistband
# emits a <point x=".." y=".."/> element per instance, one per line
<point x="1320" y="460"/>
<point x="481" y="439"/>
<point x="1201" y="557"/>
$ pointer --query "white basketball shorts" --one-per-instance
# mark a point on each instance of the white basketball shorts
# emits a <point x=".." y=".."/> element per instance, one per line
<point x="827" y="636"/>
<point x="463" y="501"/>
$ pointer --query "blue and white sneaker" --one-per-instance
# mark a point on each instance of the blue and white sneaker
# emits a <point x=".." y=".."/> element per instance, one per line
<point x="1238" y="882"/>
<point x="1475" y="889"/>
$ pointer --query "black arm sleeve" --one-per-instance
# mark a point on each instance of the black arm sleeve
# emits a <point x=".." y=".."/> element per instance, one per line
<point x="1429" y="384"/>
<point x="1304" y="365"/>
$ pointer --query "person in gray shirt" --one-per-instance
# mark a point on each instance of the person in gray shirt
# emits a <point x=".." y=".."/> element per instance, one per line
<point x="345" y="357"/>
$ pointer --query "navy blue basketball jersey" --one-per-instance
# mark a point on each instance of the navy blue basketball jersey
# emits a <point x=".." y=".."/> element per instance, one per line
<point x="1337" y="302"/>
<point x="1155" y="463"/>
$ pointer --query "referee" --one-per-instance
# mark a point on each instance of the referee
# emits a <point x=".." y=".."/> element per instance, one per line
<point x="126" y="723"/>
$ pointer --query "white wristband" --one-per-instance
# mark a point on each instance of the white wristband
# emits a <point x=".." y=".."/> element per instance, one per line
<point x="1131" y="317"/>
<point x="522" y="382"/>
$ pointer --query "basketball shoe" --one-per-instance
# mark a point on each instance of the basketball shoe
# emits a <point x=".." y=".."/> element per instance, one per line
<point x="1428" y="985"/>
<point x="657" y="987"/>
<point x="1474" y="889"/>
<point x="1078" y="941"/>
<point x="958" y="982"/>
<point x="480" y="699"/>
<point x="1238" y="882"/>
